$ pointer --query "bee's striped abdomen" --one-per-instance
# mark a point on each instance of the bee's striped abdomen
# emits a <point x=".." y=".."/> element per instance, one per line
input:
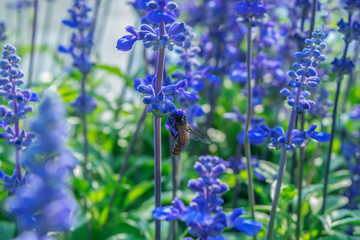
<point x="177" y="149"/>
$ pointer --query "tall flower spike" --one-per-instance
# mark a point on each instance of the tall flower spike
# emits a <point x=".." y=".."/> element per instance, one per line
<point x="158" y="91"/>
<point x="80" y="49"/>
<point x="204" y="216"/>
<point x="50" y="165"/>
<point x="18" y="107"/>
<point x="304" y="76"/>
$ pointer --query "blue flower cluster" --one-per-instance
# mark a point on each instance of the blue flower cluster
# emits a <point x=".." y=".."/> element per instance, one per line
<point x="305" y="73"/>
<point x="18" y="100"/>
<point x="247" y="8"/>
<point x="204" y="216"/>
<point x="162" y="103"/>
<point x="2" y="31"/>
<point x="160" y="12"/>
<point x="45" y="203"/>
<point x="260" y="134"/>
<point x="84" y="104"/>
<point x="351" y="5"/>
<point x="355" y="113"/>
<point x="82" y="39"/>
<point x="12" y="182"/>
<point x="151" y="37"/>
<point x="80" y="48"/>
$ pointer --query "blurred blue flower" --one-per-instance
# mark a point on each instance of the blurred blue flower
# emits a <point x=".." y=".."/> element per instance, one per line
<point x="2" y="31"/>
<point x="247" y="8"/>
<point x="204" y="216"/>
<point x="355" y="113"/>
<point x="87" y="104"/>
<point x="50" y="165"/>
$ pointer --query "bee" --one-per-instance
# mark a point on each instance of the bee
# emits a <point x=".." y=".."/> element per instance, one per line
<point x="181" y="131"/>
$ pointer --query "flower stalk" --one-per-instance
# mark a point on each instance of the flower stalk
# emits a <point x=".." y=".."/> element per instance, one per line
<point x="160" y="67"/>
<point x="247" y="124"/>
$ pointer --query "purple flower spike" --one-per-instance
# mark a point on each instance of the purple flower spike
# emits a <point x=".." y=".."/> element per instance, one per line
<point x="204" y="216"/>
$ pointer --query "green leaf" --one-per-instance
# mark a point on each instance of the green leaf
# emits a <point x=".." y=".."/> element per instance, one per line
<point x="137" y="191"/>
<point x="7" y="230"/>
<point x="349" y="220"/>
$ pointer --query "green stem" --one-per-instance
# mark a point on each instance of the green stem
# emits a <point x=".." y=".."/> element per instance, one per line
<point x="301" y="165"/>
<point x="247" y="125"/>
<point x="283" y="160"/>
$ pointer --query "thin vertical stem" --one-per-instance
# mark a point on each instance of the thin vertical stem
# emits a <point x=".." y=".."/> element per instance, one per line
<point x="33" y="39"/>
<point x="283" y="160"/>
<point x="84" y="125"/>
<point x="160" y="67"/>
<point x="302" y="150"/>
<point x="17" y="131"/>
<point x="44" y="36"/>
<point x="18" y="26"/>
<point x="175" y="162"/>
<point x="333" y="128"/>
<point x="247" y="124"/>
<point x="328" y="158"/>
<point x="301" y="165"/>
<point x="313" y="15"/>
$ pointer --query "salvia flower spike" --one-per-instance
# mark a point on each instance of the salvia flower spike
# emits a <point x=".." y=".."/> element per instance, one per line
<point x="45" y="203"/>
<point x="16" y="110"/>
<point x="204" y="216"/>
<point x="303" y="76"/>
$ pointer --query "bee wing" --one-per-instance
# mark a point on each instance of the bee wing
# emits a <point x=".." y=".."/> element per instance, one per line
<point x="198" y="135"/>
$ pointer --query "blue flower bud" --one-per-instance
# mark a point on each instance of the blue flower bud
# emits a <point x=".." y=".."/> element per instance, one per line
<point x="160" y="96"/>
<point x="152" y="5"/>
<point x="148" y="99"/>
<point x="311" y="72"/>
<point x="145" y="89"/>
<point x="299" y="55"/>
<point x="292" y="74"/>
<point x="296" y="65"/>
<point x="316" y="54"/>
<point x="286" y="92"/>
<point x="171" y="6"/>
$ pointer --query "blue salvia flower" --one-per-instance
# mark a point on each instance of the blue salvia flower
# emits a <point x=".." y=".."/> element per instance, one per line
<point x="16" y="110"/>
<point x="204" y="216"/>
<point x="2" y="31"/>
<point x="247" y="8"/>
<point x="45" y="203"/>
<point x="304" y="76"/>
<point x="151" y="37"/>
<point x="80" y="48"/>
<point x="355" y="113"/>
<point x="161" y="102"/>
<point x="351" y="5"/>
